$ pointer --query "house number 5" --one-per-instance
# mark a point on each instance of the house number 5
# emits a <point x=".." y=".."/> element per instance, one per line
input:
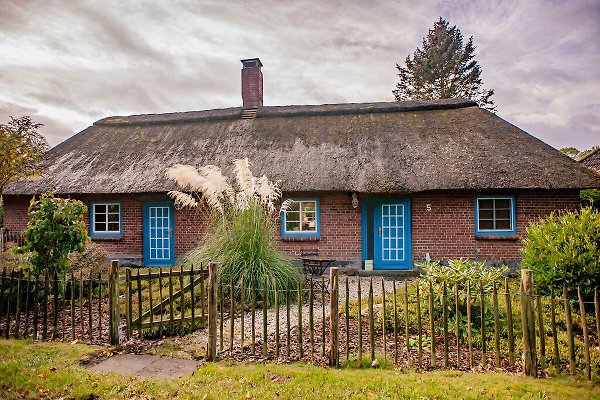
<point x="428" y="207"/>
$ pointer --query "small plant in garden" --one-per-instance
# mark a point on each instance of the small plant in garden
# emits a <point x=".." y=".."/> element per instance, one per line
<point x="463" y="273"/>
<point x="241" y="225"/>
<point x="55" y="229"/>
<point x="564" y="249"/>
<point x="460" y="272"/>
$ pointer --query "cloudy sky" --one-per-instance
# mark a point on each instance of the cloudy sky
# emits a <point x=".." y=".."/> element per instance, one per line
<point x="70" y="63"/>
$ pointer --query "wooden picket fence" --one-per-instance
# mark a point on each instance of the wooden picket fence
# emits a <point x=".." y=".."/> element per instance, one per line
<point x="44" y="307"/>
<point x="102" y="308"/>
<point x="9" y="236"/>
<point x="168" y="301"/>
<point x="398" y="326"/>
<point x="323" y="322"/>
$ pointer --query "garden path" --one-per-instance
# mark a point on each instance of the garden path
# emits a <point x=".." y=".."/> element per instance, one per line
<point x="147" y="366"/>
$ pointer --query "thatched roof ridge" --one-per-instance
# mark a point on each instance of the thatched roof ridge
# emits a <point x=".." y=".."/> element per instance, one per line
<point x="370" y="147"/>
<point x="285" y="111"/>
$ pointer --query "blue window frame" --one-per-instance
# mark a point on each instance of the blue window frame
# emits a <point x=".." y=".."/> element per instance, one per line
<point x="301" y="218"/>
<point x="106" y="219"/>
<point x="495" y="215"/>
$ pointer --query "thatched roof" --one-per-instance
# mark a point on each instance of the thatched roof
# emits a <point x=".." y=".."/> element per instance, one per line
<point x="592" y="160"/>
<point x="372" y="147"/>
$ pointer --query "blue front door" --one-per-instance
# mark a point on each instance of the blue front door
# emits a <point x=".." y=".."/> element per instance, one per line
<point x="159" y="239"/>
<point x="392" y="236"/>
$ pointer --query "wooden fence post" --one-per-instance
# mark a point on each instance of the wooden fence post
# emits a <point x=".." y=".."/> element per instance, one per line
<point x="334" y="350"/>
<point x="528" y="323"/>
<point x="113" y="303"/>
<point x="212" y="312"/>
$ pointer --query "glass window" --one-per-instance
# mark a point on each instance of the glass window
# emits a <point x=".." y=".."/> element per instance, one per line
<point x="300" y="218"/>
<point x="495" y="215"/>
<point x="106" y="219"/>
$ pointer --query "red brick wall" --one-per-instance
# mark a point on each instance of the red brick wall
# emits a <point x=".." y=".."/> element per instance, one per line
<point x="188" y="224"/>
<point x="340" y="227"/>
<point x="447" y="231"/>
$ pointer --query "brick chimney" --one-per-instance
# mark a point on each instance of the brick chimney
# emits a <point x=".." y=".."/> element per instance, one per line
<point x="252" y="83"/>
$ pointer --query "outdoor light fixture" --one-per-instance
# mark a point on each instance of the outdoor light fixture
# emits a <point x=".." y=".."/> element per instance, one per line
<point x="354" y="200"/>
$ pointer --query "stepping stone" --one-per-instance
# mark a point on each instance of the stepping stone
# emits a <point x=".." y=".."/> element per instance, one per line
<point x="147" y="366"/>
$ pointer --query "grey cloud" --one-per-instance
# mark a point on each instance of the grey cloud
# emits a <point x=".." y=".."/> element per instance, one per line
<point x="71" y="63"/>
<point x="54" y="130"/>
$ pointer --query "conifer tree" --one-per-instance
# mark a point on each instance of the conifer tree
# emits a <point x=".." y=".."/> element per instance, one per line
<point x="443" y="68"/>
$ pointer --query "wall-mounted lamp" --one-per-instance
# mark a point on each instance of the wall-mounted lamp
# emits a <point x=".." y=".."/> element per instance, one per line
<point x="178" y="206"/>
<point x="354" y="200"/>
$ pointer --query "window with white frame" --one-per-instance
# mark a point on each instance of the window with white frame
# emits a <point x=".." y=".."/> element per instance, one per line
<point x="495" y="215"/>
<point x="300" y="218"/>
<point x="106" y="219"/>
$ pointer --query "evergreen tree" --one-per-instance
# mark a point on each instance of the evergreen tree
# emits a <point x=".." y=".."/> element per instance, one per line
<point x="443" y="68"/>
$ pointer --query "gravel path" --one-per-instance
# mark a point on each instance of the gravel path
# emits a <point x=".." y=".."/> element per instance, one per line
<point x="200" y="338"/>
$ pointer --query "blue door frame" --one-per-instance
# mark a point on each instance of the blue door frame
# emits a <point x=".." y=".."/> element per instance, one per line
<point x="390" y="236"/>
<point x="159" y="234"/>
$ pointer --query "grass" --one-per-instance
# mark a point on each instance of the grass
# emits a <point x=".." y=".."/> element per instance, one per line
<point x="54" y="370"/>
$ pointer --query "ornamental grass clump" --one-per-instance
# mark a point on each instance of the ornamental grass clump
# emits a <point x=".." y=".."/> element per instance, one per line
<point x="241" y="220"/>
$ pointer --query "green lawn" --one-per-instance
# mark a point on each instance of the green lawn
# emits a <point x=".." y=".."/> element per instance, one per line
<point x="54" y="370"/>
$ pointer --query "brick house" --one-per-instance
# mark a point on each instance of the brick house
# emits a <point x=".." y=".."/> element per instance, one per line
<point x="390" y="183"/>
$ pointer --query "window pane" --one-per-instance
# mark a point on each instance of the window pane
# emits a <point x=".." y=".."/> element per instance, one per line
<point x="113" y="217"/>
<point x="486" y="203"/>
<point x="292" y="216"/>
<point x="100" y="227"/>
<point x="99" y="208"/>
<point x="113" y="227"/>
<point x="486" y="214"/>
<point x="311" y="216"/>
<point x="503" y="224"/>
<point x="293" y="206"/>
<point x="309" y="206"/>
<point x="292" y="226"/>
<point x="503" y="214"/>
<point x="309" y="226"/>
<point x="113" y="208"/>
<point x="486" y="224"/>
<point x="502" y="203"/>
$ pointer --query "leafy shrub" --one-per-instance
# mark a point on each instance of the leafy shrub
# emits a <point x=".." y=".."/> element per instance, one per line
<point x="564" y="249"/>
<point x="55" y="229"/>
<point x="241" y="236"/>
<point x="590" y="197"/>
<point x="460" y="272"/>
<point x="463" y="273"/>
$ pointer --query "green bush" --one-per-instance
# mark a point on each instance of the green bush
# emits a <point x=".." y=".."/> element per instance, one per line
<point x="463" y="273"/>
<point x="564" y="249"/>
<point x="55" y="229"/>
<point x="590" y="197"/>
